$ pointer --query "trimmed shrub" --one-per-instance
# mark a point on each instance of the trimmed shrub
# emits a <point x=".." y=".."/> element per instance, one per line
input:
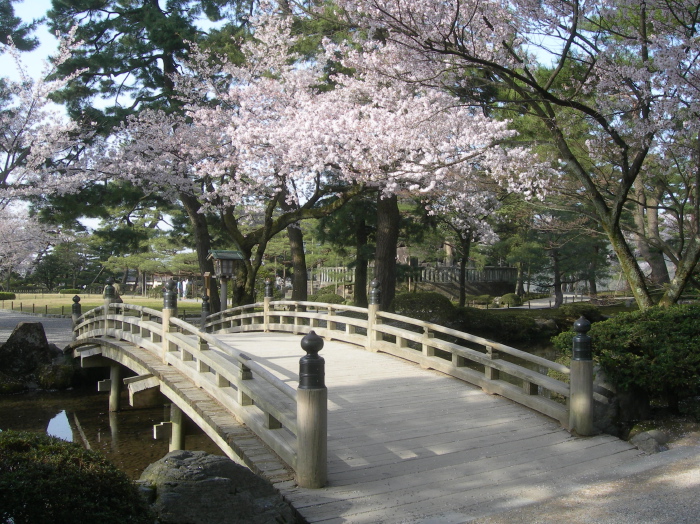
<point x="511" y="299"/>
<point x="655" y="351"/>
<point x="425" y="305"/>
<point x="45" y="479"/>
<point x="328" y="298"/>
<point x="501" y="326"/>
<point x="69" y="291"/>
<point x="5" y="295"/>
<point x="326" y="290"/>
<point x="573" y="312"/>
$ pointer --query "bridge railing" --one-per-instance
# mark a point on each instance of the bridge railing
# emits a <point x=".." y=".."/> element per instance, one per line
<point x="266" y="404"/>
<point x="496" y="368"/>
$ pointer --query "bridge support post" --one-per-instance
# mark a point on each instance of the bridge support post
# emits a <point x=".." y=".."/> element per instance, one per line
<point x="312" y="416"/>
<point x="115" y="375"/>
<point x="581" y="381"/>
<point x="177" y="429"/>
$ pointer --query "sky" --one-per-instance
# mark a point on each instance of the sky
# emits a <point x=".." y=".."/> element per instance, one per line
<point x="34" y="62"/>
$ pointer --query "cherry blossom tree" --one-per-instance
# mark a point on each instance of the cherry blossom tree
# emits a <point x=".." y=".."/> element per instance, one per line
<point x="36" y="139"/>
<point x="626" y="70"/>
<point x="261" y="145"/>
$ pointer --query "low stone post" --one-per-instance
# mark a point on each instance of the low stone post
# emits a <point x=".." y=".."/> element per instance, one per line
<point x="266" y="304"/>
<point x="373" y="307"/>
<point x="76" y="313"/>
<point x="581" y="381"/>
<point x="312" y="416"/>
<point x="206" y="311"/>
<point x="169" y="311"/>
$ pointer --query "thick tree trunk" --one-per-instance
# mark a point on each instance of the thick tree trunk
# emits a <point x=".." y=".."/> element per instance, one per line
<point x="630" y="268"/>
<point x="385" y="255"/>
<point x="646" y="221"/>
<point x="202" y="242"/>
<point x="465" y="247"/>
<point x="558" y="294"/>
<point x="361" y="264"/>
<point x="299" y="277"/>
<point x="684" y="271"/>
<point x="519" y="281"/>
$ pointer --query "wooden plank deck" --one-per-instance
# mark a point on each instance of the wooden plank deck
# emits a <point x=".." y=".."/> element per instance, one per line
<point x="408" y="445"/>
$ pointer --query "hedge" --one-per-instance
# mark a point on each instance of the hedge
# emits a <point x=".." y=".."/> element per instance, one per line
<point x="45" y="479"/>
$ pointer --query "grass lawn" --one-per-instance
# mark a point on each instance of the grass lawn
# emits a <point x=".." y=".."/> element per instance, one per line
<point x="57" y="304"/>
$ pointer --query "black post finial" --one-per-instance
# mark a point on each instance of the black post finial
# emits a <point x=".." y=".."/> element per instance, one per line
<point x="170" y="294"/>
<point x="374" y="293"/>
<point x="582" y="347"/>
<point x="76" y="309"/>
<point x="206" y="309"/>
<point x="312" y="366"/>
<point x="109" y="291"/>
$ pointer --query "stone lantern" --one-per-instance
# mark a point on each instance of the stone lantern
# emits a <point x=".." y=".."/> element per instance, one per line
<point x="223" y="269"/>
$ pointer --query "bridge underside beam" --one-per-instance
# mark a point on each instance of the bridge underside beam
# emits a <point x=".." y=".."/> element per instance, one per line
<point x="144" y="391"/>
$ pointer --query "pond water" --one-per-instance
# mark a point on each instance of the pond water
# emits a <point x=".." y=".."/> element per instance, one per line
<point x="82" y="416"/>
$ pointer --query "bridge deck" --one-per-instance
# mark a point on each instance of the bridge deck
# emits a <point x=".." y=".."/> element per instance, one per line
<point x="410" y="445"/>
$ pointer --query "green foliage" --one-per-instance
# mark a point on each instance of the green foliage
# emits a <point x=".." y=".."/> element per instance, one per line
<point x="68" y="291"/>
<point x="4" y="295"/>
<point x="505" y="327"/>
<point x="481" y="300"/>
<point x="511" y="299"/>
<point x="45" y="479"/>
<point x="326" y="290"/>
<point x="426" y="305"/>
<point x="655" y="350"/>
<point x="576" y="310"/>
<point x="328" y="298"/>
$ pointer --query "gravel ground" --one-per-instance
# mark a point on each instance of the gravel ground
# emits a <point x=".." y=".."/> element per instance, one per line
<point x="666" y="494"/>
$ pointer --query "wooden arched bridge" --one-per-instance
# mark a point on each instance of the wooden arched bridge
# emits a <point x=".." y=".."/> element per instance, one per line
<point x="454" y="428"/>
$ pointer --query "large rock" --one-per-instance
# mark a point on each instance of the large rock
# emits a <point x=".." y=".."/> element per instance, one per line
<point x="28" y="360"/>
<point x="193" y="487"/>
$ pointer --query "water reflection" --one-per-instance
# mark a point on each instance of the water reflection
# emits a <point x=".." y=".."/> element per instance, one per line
<point x="60" y="427"/>
<point x="82" y="416"/>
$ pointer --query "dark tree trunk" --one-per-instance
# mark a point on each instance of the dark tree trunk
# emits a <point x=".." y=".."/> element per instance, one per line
<point x="361" y="264"/>
<point x="465" y="247"/>
<point x="558" y="295"/>
<point x="385" y="255"/>
<point x="299" y="277"/>
<point x="202" y="242"/>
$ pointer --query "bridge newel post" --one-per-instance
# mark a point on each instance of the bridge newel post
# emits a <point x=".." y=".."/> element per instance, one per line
<point x="206" y="311"/>
<point x="109" y="294"/>
<point x="312" y="416"/>
<point x="581" y="381"/>
<point x="266" y="304"/>
<point x="372" y="309"/>
<point x="76" y="313"/>
<point x="169" y="311"/>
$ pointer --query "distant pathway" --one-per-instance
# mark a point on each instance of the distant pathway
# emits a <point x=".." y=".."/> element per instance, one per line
<point x="58" y="329"/>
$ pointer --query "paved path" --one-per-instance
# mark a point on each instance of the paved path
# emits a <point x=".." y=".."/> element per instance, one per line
<point x="57" y="329"/>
